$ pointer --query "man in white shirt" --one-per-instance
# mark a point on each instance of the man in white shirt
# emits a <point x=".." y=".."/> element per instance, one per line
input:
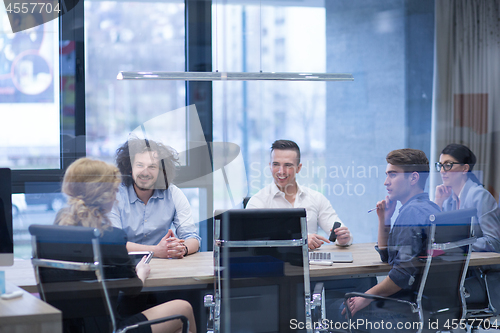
<point x="286" y="193"/>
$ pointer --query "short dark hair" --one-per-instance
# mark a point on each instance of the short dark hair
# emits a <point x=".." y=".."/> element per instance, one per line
<point x="286" y="145"/>
<point x="463" y="155"/>
<point x="167" y="155"/>
<point x="411" y="160"/>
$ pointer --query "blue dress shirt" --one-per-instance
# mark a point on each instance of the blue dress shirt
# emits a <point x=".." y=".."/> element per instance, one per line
<point x="148" y="223"/>
<point x="407" y="240"/>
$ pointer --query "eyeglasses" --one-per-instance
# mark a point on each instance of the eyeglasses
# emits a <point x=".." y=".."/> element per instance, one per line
<point x="446" y="166"/>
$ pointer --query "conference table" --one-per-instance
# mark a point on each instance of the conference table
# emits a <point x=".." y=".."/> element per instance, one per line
<point x="28" y="314"/>
<point x="196" y="273"/>
<point x="198" y="269"/>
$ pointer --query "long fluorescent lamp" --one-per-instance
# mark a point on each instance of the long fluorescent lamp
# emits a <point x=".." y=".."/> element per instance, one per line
<point x="233" y="76"/>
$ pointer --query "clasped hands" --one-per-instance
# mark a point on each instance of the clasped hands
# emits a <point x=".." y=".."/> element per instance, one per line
<point x="170" y="247"/>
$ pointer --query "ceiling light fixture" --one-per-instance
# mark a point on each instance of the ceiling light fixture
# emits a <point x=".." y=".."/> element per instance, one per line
<point x="233" y="76"/>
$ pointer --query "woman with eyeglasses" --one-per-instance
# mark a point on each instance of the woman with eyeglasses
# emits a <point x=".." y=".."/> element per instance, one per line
<point x="462" y="190"/>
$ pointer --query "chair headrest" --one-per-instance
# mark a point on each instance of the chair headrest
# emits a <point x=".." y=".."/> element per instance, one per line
<point x="262" y="213"/>
<point x="455" y="217"/>
<point x="65" y="234"/>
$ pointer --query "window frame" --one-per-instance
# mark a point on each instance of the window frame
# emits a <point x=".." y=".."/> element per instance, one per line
<point x="198" y="21"/>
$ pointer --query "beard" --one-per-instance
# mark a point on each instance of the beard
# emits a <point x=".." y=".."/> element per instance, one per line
<point x="144" y="188"/>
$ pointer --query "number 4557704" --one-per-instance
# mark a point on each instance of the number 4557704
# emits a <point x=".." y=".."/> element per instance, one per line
<point x="454" y="324"/>
<point x="32" y="7"/>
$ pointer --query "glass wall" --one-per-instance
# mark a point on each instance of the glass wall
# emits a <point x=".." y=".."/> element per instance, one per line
<point x="250" y="38"/>
<point x="29" y="93"/>
<point x="344" y="129"/>
<point x="119" y="38"/>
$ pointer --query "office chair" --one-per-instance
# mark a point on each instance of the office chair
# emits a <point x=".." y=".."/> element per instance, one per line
<point x="440" y="300"/>
<point x="72" y="276"/>
<point x="260" y="259"/>
<point x="479" y="311"/>
<point x="480" y="307"/>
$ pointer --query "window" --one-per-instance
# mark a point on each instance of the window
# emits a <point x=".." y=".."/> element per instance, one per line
<point x="119" y="38"/>
<point x="253" y="114"/>
<point x="29" y="94"/>
<point x="89" y="113"/>
<point x="344" y="129"/>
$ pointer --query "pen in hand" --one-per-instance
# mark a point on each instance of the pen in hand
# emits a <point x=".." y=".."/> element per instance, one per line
<point x="373" y="209"/>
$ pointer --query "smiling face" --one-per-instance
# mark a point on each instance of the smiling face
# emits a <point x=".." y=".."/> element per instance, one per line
<point x="145" y="170"/>
<point x="457" y="174"/>
<point x="400" y="186"/>
<point x="284" y="167"/>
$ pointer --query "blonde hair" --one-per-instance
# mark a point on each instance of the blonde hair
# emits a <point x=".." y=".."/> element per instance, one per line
<point x="91" y="188"/>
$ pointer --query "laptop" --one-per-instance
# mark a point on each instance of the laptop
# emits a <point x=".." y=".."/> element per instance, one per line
<point x="328" y="258"/>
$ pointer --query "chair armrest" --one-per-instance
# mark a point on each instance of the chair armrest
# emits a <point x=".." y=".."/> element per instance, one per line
<point x="208" y="302"/>
<point x="318" y="307"/>
<point x="62" y="264"/>
<point x="414" y="307"/>
<point x="453" y="245"/>
<point x="185" y="323"/>
<point x="318" y="294"/>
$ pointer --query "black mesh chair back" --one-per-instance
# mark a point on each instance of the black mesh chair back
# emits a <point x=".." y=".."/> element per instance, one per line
<point x="77" y="293"/>
<point x="257" y="252"/>
<point x="73" y="276"/>
<point x="449" y="253"/>
<point x="439" y="300"/>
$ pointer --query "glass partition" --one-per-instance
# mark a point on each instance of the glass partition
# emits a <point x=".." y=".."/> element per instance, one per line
<point x="118" y="37"/>
<point x="344" y="129"/>
<point x="29" y="94"/>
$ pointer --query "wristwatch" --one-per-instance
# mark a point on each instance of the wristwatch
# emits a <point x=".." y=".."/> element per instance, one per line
<point x="187" y="250"/>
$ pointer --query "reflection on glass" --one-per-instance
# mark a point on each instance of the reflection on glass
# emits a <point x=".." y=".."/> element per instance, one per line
<point x="29" y="93"/>
<point x="118" y="38"/>
<point x="344" y="129"/>
<point x="254" y="114"/>
<point x="32" y="208"/>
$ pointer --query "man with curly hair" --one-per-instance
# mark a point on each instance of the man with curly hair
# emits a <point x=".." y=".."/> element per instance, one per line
<point x="148" y="204"/>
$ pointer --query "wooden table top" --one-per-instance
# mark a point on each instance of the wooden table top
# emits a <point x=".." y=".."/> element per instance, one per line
<point x="27" y="309"/>
<point x="198" y="269"/>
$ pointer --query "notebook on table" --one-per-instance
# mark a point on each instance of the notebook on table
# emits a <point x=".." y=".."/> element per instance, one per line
<point x="328" y="258"/>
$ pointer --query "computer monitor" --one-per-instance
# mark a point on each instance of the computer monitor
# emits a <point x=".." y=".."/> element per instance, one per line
<point x="6" y="238"/>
